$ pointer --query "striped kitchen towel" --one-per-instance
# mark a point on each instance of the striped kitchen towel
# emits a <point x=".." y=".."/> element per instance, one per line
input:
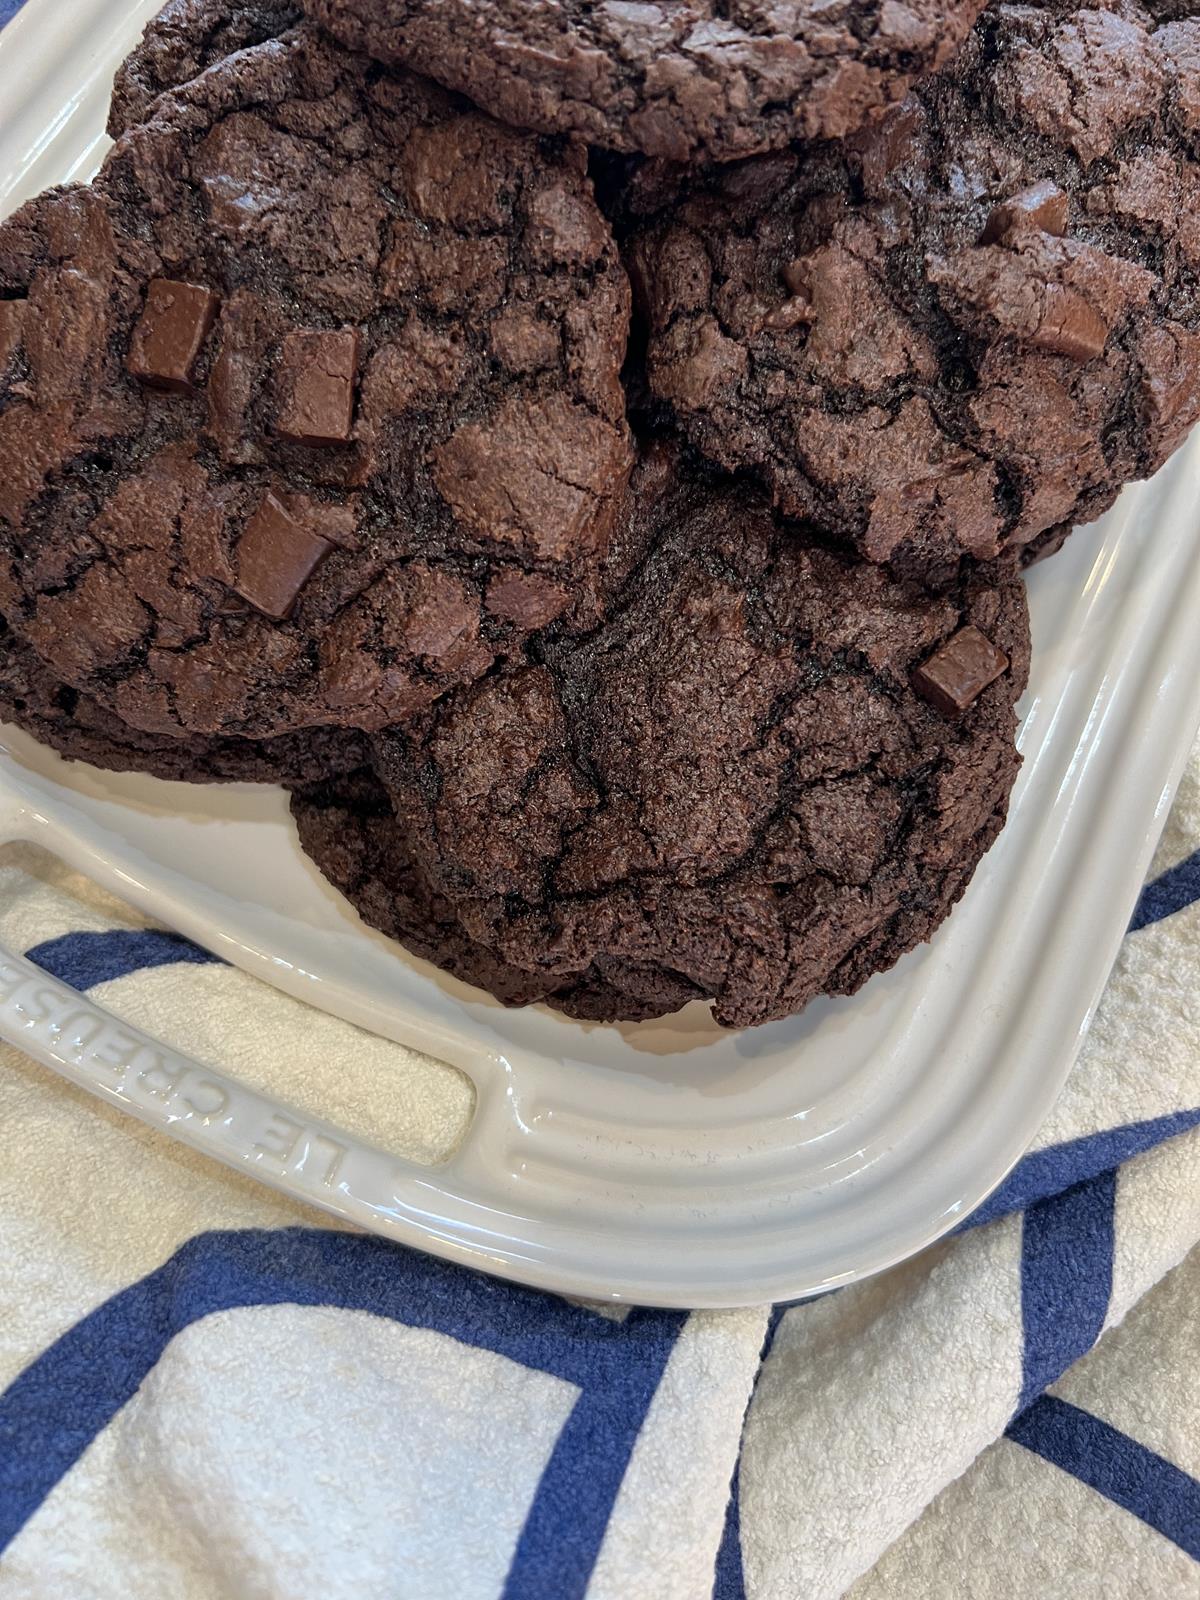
<point x="207" y="1392"/>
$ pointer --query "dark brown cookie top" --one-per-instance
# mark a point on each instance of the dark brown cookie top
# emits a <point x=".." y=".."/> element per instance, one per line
<point x="79" y="729"/>
<point x="347" y="826"/>
<point x="733" y="787"/>
<point x="967" y="325"/>
<point x="310" y="405"/>
<point x="182" y="41"/>
<point x="681" y="79"/>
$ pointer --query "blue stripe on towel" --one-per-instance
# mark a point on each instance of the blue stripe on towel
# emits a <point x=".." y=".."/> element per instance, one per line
<point x="51" y="1413"/>
<point x="1116" y="1466"/>
<point x="9" y="9"/>
<point x="1176" y="889"/>
<point x="565" y="1524"/>
<point x="86" y="959"/>
<point x="1050" y="1171"/>
<point x="1066" y="1279"/>
<point x="729" y="1581"/>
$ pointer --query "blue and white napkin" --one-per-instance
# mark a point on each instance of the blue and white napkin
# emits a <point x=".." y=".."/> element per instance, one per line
<point x="206" y="1391"/>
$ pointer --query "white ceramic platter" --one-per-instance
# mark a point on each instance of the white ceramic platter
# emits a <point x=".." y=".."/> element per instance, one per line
<point x="666" y="1163"/>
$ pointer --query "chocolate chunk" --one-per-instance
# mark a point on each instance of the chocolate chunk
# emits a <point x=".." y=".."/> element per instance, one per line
<point x="1043" y="205"/>
<point x="315" y="386"/>
<point x="957" y="674"/>
<point x="1058" y="295"/>
<point x="1071" y="327"/>
<point x="276" y="555"/>
<point x="171" y="333"/>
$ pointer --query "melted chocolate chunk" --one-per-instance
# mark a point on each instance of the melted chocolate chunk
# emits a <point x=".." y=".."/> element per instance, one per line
<point x="171" y="332"/>
<point x="315" y="386"/>
<point x="276" y="556"/>
<point x="1042" y="205"/>
<point x="1070" y="326"/>
<point x="957" y="674"/>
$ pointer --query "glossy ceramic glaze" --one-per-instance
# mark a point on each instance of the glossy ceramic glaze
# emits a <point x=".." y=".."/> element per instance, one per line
<point x="668" y="1162"/>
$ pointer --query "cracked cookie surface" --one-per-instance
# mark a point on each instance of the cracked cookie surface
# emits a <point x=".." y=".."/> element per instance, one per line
<point x="967" y="325"/>
<point x="182" y="41"/>
<point x="79" y="729"/>
<point x="728" y="791"/>
<point x="347" y="826"/>
<point x="310" y="406"/>
<point x="680" y="79"/>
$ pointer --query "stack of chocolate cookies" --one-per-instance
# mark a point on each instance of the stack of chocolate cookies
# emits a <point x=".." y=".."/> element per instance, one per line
<point x="588" y="453"/>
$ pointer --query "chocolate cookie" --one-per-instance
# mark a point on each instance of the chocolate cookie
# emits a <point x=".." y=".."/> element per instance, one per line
<point x="687" y="80"/>
<point x="970" y="324"/>
<point x="78" y="728"/>
<point x="182" y="41"/>
<point x="310" y="406"/>
<point x="766" y="776"/>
